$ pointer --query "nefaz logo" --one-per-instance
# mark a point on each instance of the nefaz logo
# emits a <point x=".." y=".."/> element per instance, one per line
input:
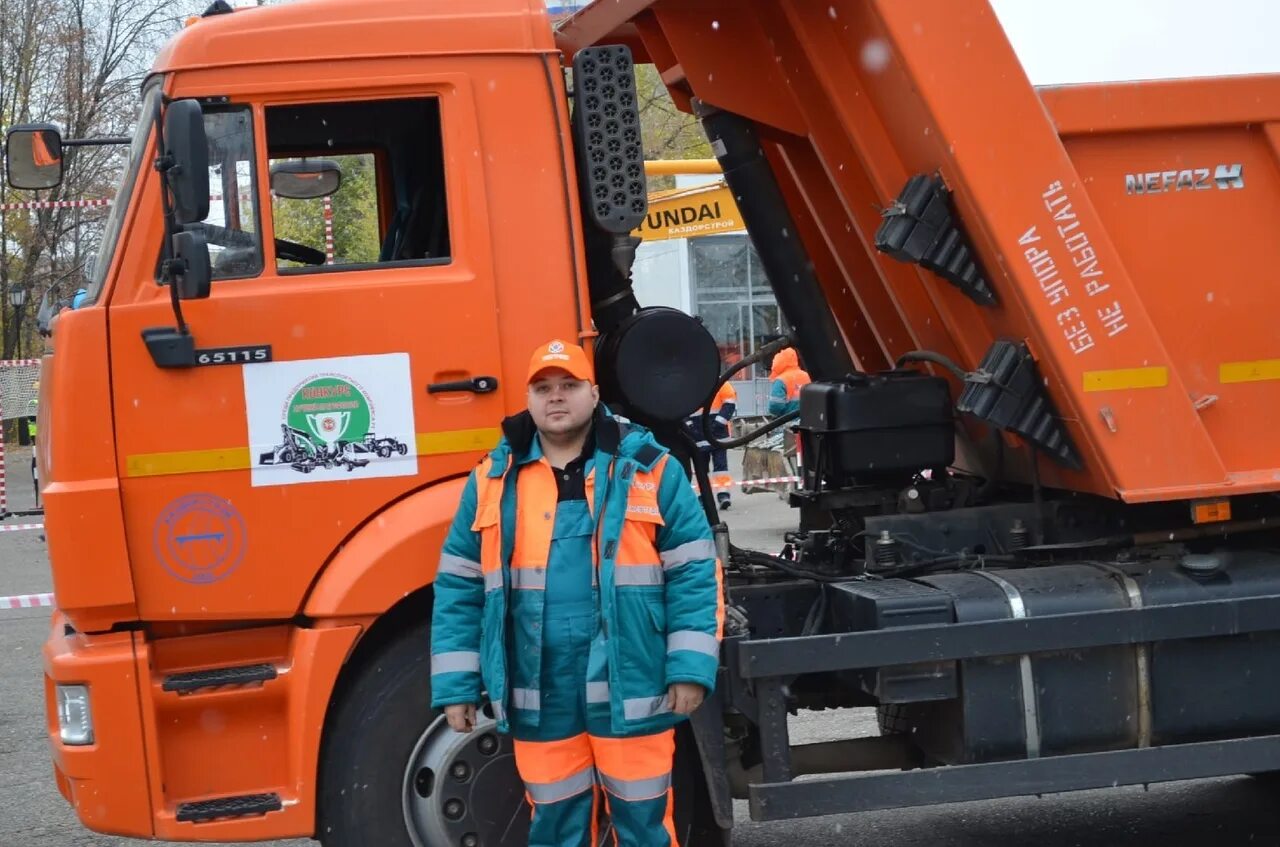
<point x="1225" y="177"/>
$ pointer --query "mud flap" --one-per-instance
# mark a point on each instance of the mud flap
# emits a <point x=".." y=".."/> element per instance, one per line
<point x="707" y="724"/>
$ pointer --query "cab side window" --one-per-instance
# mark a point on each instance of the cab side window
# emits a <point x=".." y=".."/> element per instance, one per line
<point x="357" y="185"/>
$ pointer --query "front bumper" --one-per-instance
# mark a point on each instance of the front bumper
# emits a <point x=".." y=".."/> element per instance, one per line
<point x="106" y="781"/>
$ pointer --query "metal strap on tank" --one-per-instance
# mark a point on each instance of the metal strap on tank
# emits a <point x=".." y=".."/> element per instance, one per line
<point x="1030" y="706"/>
<point x="1141" y="655"/>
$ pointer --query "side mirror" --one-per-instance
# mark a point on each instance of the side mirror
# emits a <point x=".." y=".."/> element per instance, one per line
<point x="33" y="154"/>
<point x="187" y="152"/>
<point x="191" y="271"/>
<point x="305" y="179"/>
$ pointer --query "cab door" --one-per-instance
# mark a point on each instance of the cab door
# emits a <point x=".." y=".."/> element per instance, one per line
<point x="348" y="353"/>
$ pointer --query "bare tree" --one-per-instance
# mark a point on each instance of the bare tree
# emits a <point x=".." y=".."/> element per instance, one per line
<point x="79" y="64"/>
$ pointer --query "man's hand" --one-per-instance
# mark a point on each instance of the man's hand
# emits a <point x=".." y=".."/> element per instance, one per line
<point x="685" y="697"/>
<point x="461" y="716"/>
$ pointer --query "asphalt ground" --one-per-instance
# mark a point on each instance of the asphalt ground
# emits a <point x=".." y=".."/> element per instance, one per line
<point x="1237" y="811"/>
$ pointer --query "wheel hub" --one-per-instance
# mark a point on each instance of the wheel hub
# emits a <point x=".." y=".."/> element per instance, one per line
<point x="462" y="789"/>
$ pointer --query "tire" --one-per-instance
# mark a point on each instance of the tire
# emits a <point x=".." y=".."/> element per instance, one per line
<point x="367" y="745"/>
<point x="384" y="730"/>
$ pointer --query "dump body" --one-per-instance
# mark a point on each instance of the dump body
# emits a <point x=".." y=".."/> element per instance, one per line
<point x="1124" y="228"/>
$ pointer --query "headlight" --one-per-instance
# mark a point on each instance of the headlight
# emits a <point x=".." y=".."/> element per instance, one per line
<point x="75" y="719"/>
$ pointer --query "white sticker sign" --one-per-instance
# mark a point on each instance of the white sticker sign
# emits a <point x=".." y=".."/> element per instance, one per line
<point x="321" y="420"/>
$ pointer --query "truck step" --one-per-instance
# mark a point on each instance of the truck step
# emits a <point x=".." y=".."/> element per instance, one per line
<point x="240" y="806"/>
<point x="185" y="683"/>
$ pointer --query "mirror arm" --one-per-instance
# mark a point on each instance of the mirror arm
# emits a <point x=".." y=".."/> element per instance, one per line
<point x="164" y="164"/>
<point x="110" y="141"/>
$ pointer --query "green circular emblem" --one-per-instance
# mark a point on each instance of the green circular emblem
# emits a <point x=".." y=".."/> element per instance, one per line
<point x="331" y="409"/>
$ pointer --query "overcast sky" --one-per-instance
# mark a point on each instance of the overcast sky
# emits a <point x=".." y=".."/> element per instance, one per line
<point x="1098" y="40"/>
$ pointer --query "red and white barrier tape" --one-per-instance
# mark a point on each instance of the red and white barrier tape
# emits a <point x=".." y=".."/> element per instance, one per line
<point x="19" y="363"/>
<point x="21" y="527"/>
<point x="26" y="601"/>
<point x="772" y="480"/>
<point x="53" y="204"/>
<point x="328" y="230"/>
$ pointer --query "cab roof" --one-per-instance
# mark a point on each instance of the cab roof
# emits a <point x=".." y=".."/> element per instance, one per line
<point x="321" y="30"/>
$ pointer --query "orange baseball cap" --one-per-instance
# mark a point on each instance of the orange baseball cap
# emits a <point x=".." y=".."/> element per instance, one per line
<point x="560" y="355"/>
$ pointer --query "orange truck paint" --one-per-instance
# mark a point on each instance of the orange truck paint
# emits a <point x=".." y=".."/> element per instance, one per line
<point x="1175" y="405"/>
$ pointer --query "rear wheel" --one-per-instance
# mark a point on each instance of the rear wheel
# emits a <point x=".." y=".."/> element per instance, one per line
<point x="394" y="775"/>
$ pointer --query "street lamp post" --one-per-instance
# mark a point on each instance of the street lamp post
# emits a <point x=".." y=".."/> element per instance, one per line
<point x="17" y="298"/>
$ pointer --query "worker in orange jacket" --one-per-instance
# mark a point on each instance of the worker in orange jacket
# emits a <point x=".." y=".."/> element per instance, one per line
<point x="723" y="407"/>
<point x="788" y="378"/>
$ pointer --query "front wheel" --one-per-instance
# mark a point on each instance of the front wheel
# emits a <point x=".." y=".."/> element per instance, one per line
<point x="393" y="774"/>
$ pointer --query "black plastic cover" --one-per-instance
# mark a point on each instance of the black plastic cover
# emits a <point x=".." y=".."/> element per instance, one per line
<point x="659" y="366"/>
<point x="876" y="424"/>
<point x="883" y="604"/>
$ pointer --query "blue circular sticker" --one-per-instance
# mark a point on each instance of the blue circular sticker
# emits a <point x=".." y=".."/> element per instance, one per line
<point x="200" y="538"/>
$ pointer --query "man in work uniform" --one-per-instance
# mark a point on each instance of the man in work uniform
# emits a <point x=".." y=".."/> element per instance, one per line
<point x="787" y="380"/>
<point x="33" y="409"/>
<point x="784" y="397"/>
<point x="723" y="407"/>
<point x="579" y="588"/>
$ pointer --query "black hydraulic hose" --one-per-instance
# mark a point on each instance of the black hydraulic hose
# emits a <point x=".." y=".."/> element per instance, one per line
<point x="700" y="460"/>
<point x="755" y="557"/>
<point x="767" y="351"/>
<point x="934" y="358"/>
<point x="773" y="232"/>
<point x="764" y="429"/>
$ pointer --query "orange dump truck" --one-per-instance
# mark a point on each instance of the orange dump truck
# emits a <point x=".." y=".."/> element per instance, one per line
<point x="1036" y="528"/>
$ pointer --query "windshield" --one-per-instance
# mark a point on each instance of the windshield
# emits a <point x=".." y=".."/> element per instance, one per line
<point x="111" y="231"/>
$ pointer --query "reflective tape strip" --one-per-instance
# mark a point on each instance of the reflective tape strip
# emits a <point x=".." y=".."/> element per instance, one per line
<point x="499" y="714"/>
<point x="698" y="642"/>
<point x="597" y="692"/>
<point x="640" y="708"/>
<point x="1121" y="379"/>
<point x="528" y="699"/>
<point x="459" y="661"/>
<point x="492" y="580"/>
<point x="529" y="579"/>
<point x="562" y="789"/>
<point x="1263" y="369"/>
<point x="690" y="551"/>
<point x="459" y="566"/>
<point x="635" y="790"/>
<point x="721" y="419"/>
<point x="638" y="575"/>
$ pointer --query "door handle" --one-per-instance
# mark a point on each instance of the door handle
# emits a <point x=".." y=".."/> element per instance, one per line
<point x="476" y="385"/>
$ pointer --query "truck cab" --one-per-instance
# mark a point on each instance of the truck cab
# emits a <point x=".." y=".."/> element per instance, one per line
<point x="235" y="529"/>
